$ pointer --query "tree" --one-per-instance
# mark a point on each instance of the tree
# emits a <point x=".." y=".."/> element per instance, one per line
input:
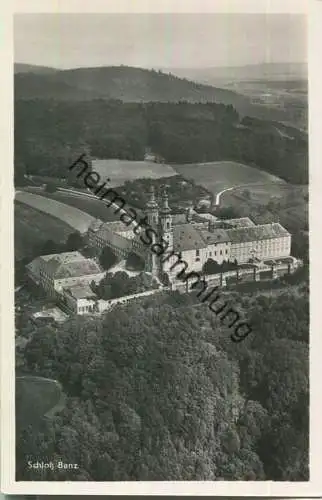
<point x="210" y="409"/>
<point x="51" y="247"/>
<point x="107" y="258"/>
<point x="50" y="187"/>
<point x="74" y="242"/>
<point x="134" y="262"/>
<point x="227" y="212"/>
<point x="211" y="266"/>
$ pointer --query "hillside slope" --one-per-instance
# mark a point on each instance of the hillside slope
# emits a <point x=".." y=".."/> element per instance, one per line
<point x="33" y="68"/>
<point x="131" y="85"/>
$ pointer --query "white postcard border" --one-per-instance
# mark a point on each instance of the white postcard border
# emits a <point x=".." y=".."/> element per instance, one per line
<point x="207" y="488"/>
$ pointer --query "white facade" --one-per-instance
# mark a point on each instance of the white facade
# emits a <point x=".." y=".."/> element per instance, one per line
<point x="261" y="249"/>
<point x="196" y="259"/>
<point x="90" y="305"/>
<point x="53" y="272"/>
<point x="194" y="240"/>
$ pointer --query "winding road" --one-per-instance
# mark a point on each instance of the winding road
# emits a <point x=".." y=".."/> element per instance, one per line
<point x="218" y="195"/>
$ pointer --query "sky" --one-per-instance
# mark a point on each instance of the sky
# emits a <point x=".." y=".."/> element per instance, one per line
<point x="159" y="40"/>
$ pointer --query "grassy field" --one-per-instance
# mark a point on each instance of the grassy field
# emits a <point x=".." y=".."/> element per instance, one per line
<point x="75" y="218"/>
<point x="256" y="194"/>
<point x="36" y="397"/>
<point x="95" y="208"/>
<point x="120" y="171"/>
<point x="33" y="228"/>
<point x="221" y="175"/>
<point x="287" y="204"/>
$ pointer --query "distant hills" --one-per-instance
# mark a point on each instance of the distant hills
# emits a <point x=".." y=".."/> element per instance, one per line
<point x="128" y="84"/>
<point x="32" y="68"/>
<point x="258" y="72"/>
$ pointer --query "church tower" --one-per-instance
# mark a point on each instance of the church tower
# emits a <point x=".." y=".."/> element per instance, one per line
<point x="152" y="209"/>
<point x="165" y="220"/>
<point x="152" y="264"/>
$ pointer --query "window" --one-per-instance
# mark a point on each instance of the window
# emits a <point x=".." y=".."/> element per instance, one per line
<point x="168" y="225"/>
<point x="210" y="254"/>
<point x="226" y="251"/>
<point x="197" y="253"/>
<point x="220" y="252"/>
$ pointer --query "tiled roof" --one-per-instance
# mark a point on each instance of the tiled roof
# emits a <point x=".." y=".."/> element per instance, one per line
<point x="81" y="292"/>
<point x="206" y="217"/>
<point x="77" y="269"/>
<point x="54" y="261"/>
<point x="242" y="222"/>
<point x="186" y="237"/>
<point x="262" y="232"/>
<point x="63" y="257"/>
<point x="215" y="236"/>
<point x="66" y="265"/>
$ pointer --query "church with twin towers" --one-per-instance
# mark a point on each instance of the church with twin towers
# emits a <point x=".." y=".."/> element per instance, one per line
<point x="191" y="238"/>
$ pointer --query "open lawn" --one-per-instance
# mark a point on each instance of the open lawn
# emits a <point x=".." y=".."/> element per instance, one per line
<point x="32" y="228"/>
<point x="75" y="218"/>
<point x="221" y="175"/>
<point x="120" y="171"/>
<point x="36" y="397"/>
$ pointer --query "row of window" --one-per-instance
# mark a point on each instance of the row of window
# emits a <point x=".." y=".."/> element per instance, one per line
<point x="221" y="252"/>
<point x="86" y="309"/>
<point x="263" y="243"/>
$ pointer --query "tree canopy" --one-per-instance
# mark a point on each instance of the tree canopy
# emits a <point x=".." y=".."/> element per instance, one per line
<point x="157" y="391"/>
<point x="107" y="258"/>
<point x="179" y="132"/>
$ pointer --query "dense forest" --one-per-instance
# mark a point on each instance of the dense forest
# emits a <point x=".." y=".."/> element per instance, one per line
<point x="49" y="135"/>
<point x="157" y="391"/>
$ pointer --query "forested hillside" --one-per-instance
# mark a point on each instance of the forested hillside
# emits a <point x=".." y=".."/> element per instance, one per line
<point x="157" y="391"/>
<point x="49" y="135"/>
<point x="130" y="84"/>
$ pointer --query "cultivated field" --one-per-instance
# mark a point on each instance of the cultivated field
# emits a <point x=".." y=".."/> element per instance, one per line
<point x="32" y="228"/>
<point x="221" y="175"/>
<point x="78" y="220"/>
<point x="120" y="171"/>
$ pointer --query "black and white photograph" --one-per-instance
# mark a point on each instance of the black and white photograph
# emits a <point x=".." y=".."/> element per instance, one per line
<point x="161" y="249"/>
